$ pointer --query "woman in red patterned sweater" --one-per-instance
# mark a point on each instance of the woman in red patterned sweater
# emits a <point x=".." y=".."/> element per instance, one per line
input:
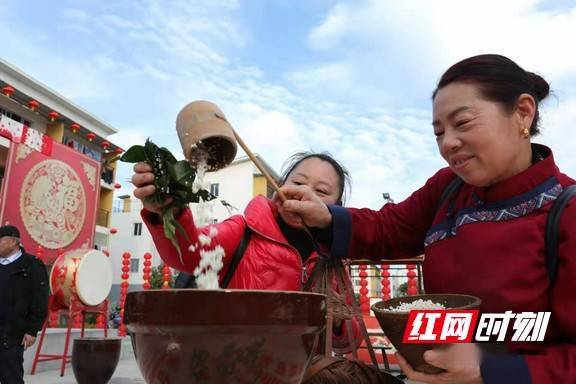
<point x="487" y="239"/>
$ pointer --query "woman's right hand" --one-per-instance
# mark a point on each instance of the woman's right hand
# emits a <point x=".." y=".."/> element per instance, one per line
<point x="143" y="180"/>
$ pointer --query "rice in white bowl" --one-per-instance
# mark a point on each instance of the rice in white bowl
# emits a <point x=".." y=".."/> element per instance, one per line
<point x="416" y="304"/>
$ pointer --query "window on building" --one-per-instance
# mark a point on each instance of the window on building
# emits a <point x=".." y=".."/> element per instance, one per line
<point x="15" y="117"/>
<point x="137" y="229"/>
<point x="107" y="174"/>
<point x="215" y="189"/>
<point x="134" y="265"/>
<point x="214" y="221"/>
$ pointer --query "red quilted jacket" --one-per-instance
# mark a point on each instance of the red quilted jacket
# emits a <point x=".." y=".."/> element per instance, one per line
<point x="269" y="262"/>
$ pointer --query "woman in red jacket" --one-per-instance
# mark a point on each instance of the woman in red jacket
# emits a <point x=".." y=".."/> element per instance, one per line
<point x="487" y="239"/>
<point x="278" y="256"/>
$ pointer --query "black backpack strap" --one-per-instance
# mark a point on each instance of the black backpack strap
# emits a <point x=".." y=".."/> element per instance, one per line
<point x="237" y="257"/>
<point x="552" y="223"/>
<point x="454" y="186"/>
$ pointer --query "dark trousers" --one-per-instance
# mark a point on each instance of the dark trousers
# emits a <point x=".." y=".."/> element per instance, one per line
<point x="12" y="364"/>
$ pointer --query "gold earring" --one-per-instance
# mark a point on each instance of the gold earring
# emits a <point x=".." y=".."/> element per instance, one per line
<point x="526" y="133"/>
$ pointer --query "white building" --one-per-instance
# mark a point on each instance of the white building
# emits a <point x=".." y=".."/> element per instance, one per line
<point x="234" y="187"/>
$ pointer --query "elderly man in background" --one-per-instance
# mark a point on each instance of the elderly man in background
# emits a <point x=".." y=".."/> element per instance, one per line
<point x="23" y="303"/>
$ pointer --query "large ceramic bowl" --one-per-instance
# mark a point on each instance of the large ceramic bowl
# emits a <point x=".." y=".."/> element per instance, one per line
<point x="393" y="324"/>
<point x="183" y="336"/>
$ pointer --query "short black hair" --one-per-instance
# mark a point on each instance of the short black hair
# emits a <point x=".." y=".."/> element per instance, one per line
<point x="9" y="230"/>
<point x="345" y="180"/>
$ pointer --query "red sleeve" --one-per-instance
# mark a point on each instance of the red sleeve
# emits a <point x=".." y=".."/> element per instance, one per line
<point x="397" y="230"/>
<point x="229" y="234"/>
<point x="557" y="364"/>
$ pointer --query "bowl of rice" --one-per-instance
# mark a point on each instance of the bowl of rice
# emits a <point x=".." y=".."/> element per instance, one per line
<point x="221" y="336"/>
<point x="393" y="315"/>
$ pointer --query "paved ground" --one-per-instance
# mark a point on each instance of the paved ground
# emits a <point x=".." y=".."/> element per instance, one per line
<point x="126" y="373"/>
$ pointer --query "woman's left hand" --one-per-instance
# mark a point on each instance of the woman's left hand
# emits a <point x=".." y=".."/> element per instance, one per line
<point x="461" y="362"/>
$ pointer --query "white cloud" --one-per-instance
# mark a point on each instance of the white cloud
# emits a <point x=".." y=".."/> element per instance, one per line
<point x="368" y="104"/>
<point x="558" y="132"/>
<point x="272" y="134"/>
<point x="76" y="15"/>
<point x="401" y="47"/>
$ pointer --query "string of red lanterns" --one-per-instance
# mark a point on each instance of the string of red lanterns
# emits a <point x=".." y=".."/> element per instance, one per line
<point x="34" y="105"/>
<point x="147" y="270"/>
<point x="124" y="291"/>
<point x="165" y="277"/>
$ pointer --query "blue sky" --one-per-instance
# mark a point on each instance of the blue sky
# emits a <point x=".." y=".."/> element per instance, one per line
<point x="351" y="77"/>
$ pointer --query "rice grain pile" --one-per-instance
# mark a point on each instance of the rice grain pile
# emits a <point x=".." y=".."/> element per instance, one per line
<point x="416" y="304"/>
<point x="206" y="273"/>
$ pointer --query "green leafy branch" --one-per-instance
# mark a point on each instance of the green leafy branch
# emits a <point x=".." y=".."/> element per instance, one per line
<point x="173" y="180"/>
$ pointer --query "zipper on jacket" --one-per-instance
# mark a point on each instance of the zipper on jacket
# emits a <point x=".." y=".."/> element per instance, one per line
<point x="303" y="276"/>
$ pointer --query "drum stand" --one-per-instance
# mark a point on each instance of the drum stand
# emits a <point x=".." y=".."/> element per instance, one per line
<point x="76" y="308"/>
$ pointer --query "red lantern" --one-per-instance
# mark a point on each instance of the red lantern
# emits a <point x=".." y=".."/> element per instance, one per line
<point x="53" y="116"/>
<point x="99" y="321"/>
<point x="125" y="276"/>
<point x="126" y="262"/>
<point x="118" y="151"/>
<point x="105" y="144"/>
<point x="90" y="136"/>
<point x="125" y="268"/>
<point x="117" y="186"/>
<point x="106" y="253"/>
<point x="113" y="230"/>
<point x="33" y="105"/>
<point x="7" y="90"/>
<point x="75" y="128"/>
<point x="126" y="255"/>
<point x="147" y="285"/>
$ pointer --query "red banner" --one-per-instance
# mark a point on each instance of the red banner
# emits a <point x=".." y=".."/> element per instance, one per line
<point x="53" y="200"/>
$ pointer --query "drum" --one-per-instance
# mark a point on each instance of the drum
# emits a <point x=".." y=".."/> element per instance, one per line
<point x="85" y="273"/>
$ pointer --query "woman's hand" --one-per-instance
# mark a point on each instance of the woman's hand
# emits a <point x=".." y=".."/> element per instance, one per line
<point x="143" y="180"/>
<point x="303" y="206"/>
<point x="461" y="362"/>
